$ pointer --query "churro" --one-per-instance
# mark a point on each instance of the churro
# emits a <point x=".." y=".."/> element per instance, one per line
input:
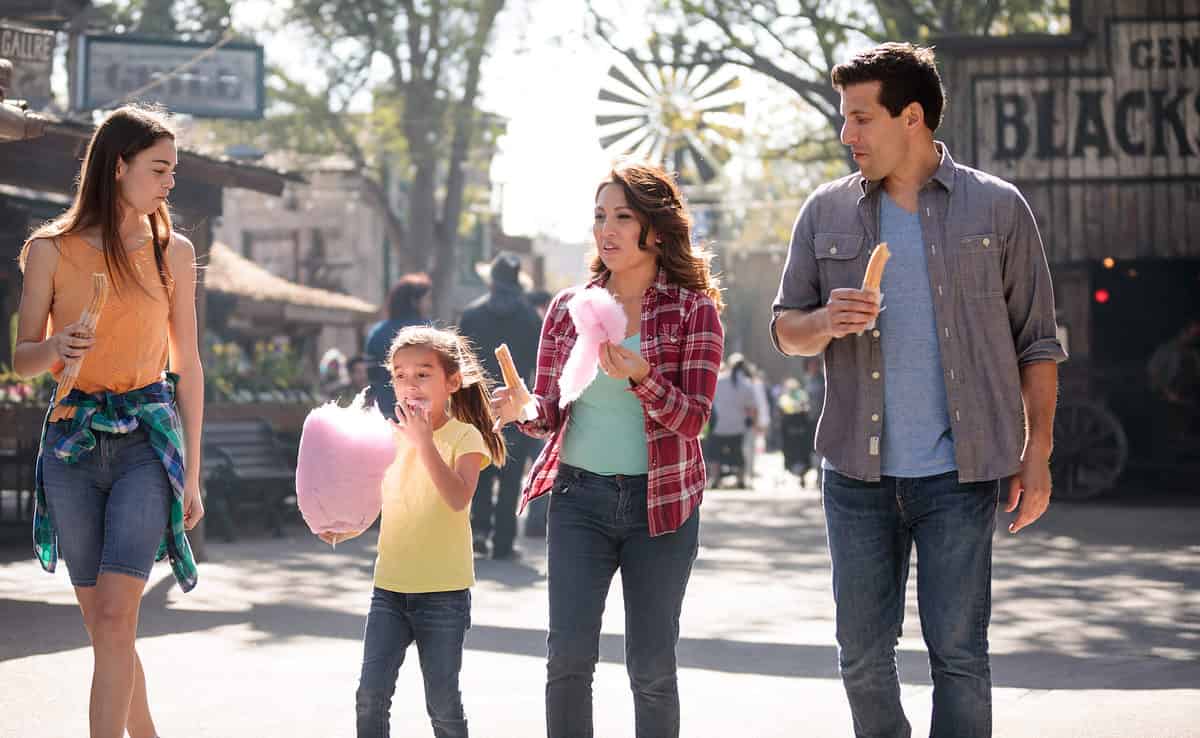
<point x="518" y="393"/>
<point x="875" y="266"/>
<point x="91" y="316"/>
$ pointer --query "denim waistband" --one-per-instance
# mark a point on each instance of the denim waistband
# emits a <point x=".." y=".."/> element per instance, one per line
<point x="575" y="473"/>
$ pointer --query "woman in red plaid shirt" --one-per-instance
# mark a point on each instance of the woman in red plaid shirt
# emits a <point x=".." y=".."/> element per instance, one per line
<point x="623" y="465"/>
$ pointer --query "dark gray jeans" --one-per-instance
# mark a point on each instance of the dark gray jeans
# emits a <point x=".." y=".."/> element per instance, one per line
<point x="597" y="525"/>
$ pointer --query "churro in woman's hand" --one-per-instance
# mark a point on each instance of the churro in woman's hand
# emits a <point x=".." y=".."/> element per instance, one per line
<point x="518" y="393"/>
<point x="91" y="316"/>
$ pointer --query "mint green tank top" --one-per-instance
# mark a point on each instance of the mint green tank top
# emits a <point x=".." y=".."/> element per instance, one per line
<point x="607" y="430"/>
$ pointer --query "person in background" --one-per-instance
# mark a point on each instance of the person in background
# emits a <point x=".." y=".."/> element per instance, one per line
<point x="333" y="375"/>
<point x="359" y="368"/>
<point x="757" y="430"/>
<point x="501" y="316"/>
<point x="734" y="412"/>
<point x="410" y="302"/>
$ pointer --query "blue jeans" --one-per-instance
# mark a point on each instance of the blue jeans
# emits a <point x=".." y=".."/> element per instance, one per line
<point x="110" y="508"/>
<point x="597" y="525"/>
<point x="437" y="622"/>
<point x="871" y="529"/>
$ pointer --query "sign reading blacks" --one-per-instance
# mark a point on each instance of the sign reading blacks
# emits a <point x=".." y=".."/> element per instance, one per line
<point x="32" y="54"/>
<point x="1140" y="118"/>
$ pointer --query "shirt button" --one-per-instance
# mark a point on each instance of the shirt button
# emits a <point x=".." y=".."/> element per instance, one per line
<point x="875" y="333"/>
<point x="987" y="242"/>
<point x="833" y="249"/>
<point x="875" y="418"/>
<point x="874" y="375"/>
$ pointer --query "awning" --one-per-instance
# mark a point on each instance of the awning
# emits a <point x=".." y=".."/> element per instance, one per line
<point x="263" y="296"/>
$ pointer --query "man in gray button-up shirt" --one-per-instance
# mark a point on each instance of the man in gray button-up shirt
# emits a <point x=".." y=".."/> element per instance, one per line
<point x="993" y="333"/>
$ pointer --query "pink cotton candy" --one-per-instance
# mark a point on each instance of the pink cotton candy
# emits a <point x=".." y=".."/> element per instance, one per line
<point x="344" y="453"/>
<point x="597" y="318"/>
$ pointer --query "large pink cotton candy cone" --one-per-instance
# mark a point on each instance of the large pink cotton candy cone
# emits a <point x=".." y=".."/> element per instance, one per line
<point x="597" y="318"/>
<point x="344" y="453"/>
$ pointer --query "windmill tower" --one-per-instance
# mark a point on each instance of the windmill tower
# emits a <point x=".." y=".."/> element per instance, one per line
<point x="685" y="118"/>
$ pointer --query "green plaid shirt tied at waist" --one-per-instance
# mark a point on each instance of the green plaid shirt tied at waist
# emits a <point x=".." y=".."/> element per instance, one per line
<point x="152" y="406"/>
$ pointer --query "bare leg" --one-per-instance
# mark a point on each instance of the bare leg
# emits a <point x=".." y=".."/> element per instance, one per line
<point x="118" y="698"/>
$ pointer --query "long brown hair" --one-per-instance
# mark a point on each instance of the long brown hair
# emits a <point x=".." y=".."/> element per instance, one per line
<point x="471" y="403"/>
<point x="122" y="135"/>
<point x="655" y="198"/>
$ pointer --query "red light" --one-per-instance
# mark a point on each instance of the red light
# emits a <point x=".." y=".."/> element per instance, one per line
<point x="1101" y="296"/>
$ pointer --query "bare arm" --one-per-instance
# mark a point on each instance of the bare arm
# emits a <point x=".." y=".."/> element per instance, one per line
<point x="184" y="351"/>
<point x="34" y="352"/>
<point x="457" y="485"/>
<point x="1030" y="488"/>
<point x="808" y="332"/>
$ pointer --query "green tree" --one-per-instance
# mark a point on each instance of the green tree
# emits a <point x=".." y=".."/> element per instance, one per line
<point x="201" y="20"/>
<point x="430" y="55"/>
<point x="798" y="42"/>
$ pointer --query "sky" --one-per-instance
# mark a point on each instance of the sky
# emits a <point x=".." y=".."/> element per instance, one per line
<point x="543" y="77"/>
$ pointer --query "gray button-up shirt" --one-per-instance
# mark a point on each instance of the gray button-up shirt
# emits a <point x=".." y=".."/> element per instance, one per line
<point x="993" y="306"/>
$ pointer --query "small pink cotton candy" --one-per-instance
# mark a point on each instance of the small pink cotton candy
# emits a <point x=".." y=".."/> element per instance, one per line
<point x="344" y="453"/>
<point x="597" y="318"/>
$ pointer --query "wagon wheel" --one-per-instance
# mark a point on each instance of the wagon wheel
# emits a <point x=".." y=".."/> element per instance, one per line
<point x="1090" y="450"/>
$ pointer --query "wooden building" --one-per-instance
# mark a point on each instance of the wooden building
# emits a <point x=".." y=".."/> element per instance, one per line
<point x="1100" y="129"/>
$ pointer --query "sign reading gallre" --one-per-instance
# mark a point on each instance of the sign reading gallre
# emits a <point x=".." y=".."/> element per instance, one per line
<point x="1139" y="118"/>
<point x="193" y="78"/>
<point x="31" y="52"/>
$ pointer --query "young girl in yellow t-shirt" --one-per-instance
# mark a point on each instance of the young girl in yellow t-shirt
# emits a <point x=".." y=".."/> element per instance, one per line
<point x="425" y="566"/>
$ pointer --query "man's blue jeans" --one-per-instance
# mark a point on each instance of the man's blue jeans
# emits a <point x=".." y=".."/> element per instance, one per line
<point x="598" y="524"/>
<point x="437" y="622"/>
<point x="871" y="529"/>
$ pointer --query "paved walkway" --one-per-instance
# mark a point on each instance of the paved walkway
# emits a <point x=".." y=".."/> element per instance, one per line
<point x="1096" y="633"/>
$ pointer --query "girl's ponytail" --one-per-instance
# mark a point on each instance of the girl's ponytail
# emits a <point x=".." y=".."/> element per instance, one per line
<point x="472" y="404"/>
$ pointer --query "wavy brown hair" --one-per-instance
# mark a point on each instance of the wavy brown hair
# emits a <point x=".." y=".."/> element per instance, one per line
<point x="472" y="402"/>
<point x="658" y="204"/>
<point x="123" y="134"/>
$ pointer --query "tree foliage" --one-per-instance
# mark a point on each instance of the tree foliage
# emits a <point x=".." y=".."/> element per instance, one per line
<point x="797" y="43"/>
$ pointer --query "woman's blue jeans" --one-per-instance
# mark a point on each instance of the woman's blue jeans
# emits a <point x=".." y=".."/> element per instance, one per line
<point x="597" y="526"/>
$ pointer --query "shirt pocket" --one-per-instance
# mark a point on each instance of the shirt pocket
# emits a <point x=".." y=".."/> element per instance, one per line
<point x="840" y="261"/>
<point x="979" y="271"/>
<point x="667" y="348"/>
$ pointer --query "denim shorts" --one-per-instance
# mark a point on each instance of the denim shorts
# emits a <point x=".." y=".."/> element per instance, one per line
<point x="110" y="509"/>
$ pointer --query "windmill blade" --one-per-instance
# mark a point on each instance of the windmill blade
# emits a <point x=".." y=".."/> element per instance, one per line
<point x="616" y="130"/>
<point x="706" y="161"/>
<point x="716" y="84"/>
<point x="609" y="96"/>
<point x="622" y="143"/>
<point x="632" y="75"/>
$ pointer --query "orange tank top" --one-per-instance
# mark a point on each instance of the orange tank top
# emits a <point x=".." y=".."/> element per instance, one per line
<point x="131" y="335"/>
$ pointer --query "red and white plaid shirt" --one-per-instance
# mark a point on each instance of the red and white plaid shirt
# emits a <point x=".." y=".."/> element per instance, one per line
<point x="682" y="340"/>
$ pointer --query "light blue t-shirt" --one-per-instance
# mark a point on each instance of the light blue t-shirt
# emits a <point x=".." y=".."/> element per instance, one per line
<point x="916" y="439"/>
<point x="607" y="430"/>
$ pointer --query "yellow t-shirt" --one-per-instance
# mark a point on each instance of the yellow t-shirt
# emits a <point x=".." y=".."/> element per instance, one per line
<point x="424" y="545"/>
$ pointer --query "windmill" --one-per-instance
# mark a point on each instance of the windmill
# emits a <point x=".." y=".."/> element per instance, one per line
<point x="686" y="118"/>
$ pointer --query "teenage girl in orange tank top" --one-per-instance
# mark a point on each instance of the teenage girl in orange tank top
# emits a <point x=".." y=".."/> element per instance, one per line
<point x="109" y="507"/>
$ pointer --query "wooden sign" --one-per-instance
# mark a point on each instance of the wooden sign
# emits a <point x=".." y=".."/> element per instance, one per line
<point x="32" y="54"/>
<point x="1137" y="118"/>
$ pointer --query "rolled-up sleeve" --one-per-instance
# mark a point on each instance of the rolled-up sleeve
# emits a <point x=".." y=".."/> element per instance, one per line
<point x="1028" y="290"/>
<point x="799" y="286"/>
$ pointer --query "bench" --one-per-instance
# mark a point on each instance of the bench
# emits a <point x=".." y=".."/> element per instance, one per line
<point x="245" y="464"/>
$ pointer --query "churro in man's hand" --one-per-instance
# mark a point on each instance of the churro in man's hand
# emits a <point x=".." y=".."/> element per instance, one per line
<point x="874" y="275"/>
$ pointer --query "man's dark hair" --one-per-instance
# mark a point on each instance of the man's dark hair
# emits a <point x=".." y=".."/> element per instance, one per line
<point x="356" y="361"/>
<point x="905" y="73"/>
